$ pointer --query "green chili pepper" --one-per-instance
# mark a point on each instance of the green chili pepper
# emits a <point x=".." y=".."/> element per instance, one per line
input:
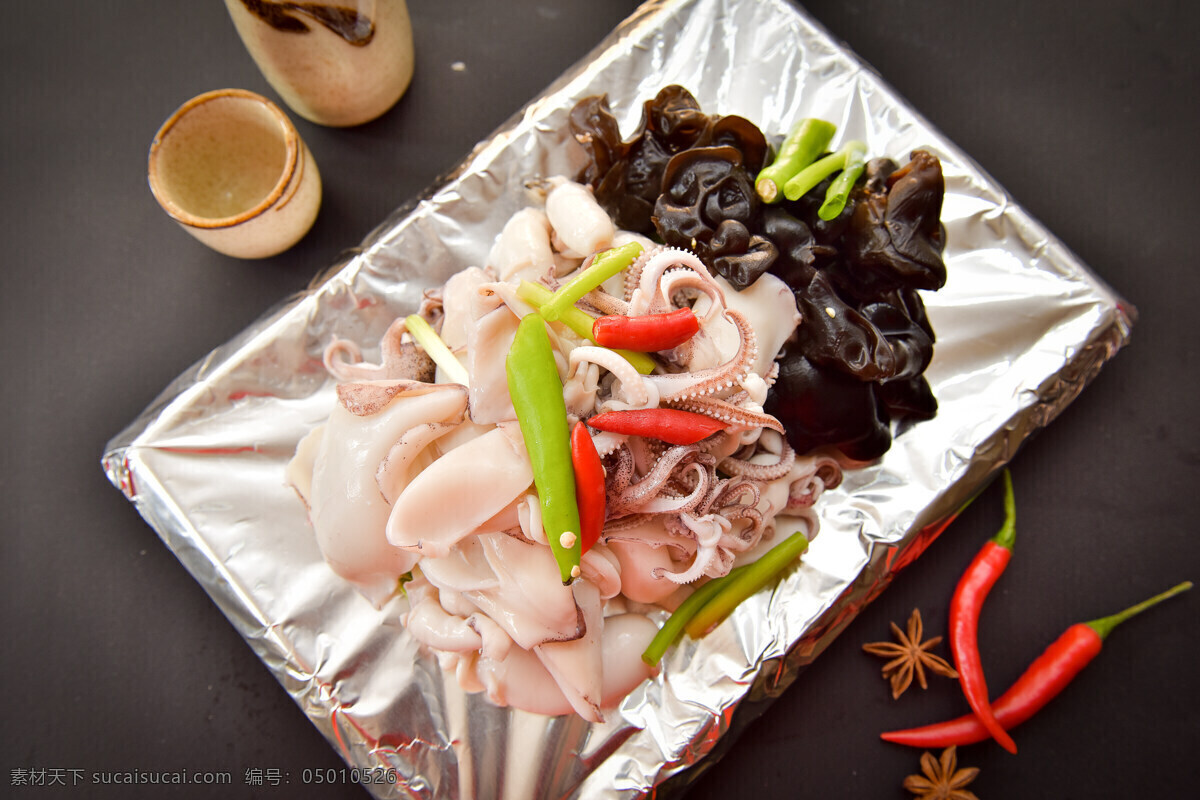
<point x="537" y="396"/>
<point x="579" y="321"/>
<point x="819" y="170"/>
<point x="746" y="583"/>
<point x="839" y="189"/>
<point x="807" y="139"/>
<point x="604" y="265"/>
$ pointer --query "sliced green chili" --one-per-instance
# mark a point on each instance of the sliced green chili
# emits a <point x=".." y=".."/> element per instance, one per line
<point x="839" y="189"/>
<point x="579" y="321"/>
<point x="818" y="171"/>
<point x="604" y="265"/>
<point x="807" y="139"/>
<point x="436" y="349"/>
<point x="537" y="396"/>
<point x="746" y="583"/>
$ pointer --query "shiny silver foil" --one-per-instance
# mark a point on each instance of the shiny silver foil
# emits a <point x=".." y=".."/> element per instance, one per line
<point x="1022" y="326"/>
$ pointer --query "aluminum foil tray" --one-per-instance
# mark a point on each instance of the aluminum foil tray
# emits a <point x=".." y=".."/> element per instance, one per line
<point x="1022" y="327"/>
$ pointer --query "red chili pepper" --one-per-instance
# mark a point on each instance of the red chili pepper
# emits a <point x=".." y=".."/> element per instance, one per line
<point x="671" y="425"/>
<point x="1048" y="675"/>
<point x="972" y="590"/>
<point x="589" y="486"/>
<point x="647" y="333"/>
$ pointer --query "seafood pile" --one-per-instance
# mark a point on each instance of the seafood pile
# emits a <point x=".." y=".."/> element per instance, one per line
<point x="433" y="476"/>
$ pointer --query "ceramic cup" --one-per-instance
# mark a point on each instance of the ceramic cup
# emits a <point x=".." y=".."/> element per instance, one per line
<point x="334" y="63"/>
<point x="229" y="167"/>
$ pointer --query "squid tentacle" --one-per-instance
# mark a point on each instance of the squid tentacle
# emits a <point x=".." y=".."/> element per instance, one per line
<point x="398" y="359"/>
<point x="760" y="472"/>
<point x="680" y="386"/>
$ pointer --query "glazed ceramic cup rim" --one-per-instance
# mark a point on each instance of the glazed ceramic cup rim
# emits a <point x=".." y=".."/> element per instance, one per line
<point x="291" y="141"/>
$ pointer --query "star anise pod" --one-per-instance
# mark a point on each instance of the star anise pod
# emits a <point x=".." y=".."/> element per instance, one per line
<point x="941" y="779"/>
<point x="910" y="655"/>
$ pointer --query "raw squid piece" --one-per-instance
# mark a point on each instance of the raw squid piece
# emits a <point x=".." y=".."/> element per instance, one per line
<point x="375" y="435"/>
<point x="458" y="492"/>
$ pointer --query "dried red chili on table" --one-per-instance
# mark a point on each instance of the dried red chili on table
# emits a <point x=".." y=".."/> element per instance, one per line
<point x="965" y="606"/>
<point x="1048" y="675"/>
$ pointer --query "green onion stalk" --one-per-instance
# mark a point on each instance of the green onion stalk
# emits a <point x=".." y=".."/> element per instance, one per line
<point x="848" y="158"/>
<point x="604" y="265"/>
<point x="436" y="349"/>
<point x="807" y="140"/>
<point x="715" y="600"/>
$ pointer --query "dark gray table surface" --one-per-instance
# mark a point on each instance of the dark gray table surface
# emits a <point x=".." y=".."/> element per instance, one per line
<point x="114" y="659"/>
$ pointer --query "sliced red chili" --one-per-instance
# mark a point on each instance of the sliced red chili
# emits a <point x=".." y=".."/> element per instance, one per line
<point x="589" y="486"/>
<point x="671" y="425"/>
<point x="1049" y="674"/>
<point x="647" y="333"/>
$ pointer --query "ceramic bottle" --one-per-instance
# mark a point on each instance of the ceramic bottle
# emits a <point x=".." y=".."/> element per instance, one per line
<point x="336" y="63"/>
